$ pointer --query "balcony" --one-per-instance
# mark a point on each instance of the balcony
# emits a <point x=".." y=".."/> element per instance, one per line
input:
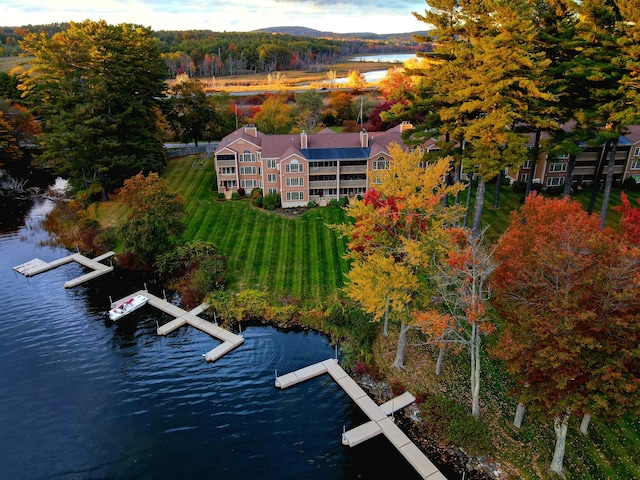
<point x="226" y="163"/>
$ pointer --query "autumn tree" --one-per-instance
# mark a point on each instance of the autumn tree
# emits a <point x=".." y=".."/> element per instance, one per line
<point x="9" y="150"/>
<point x="356" y="82"/>
<point x="482" y="74"/>
<point x="189" y="111"/>
<point x="567" y="292"/>
<point x="307" y="110"/>
<point x="630" y="220"/>
<point x="274" y="116"/>
<point x="459" y="317"/>
<point x="100" y="88"/>
<point x="389" y="242"/>
<point x="154" y="223"/>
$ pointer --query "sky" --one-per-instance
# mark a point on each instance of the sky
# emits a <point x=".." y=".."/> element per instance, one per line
<point x="340" y="16"/>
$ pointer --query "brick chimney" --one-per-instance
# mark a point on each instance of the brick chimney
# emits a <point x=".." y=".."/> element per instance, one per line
<point x="303" y="139"/>
<point x="364" y="138"/>
<point x="251" y="129"/>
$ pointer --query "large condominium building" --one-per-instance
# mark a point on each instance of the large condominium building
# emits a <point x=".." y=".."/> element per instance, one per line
<point x="303" y="167"/>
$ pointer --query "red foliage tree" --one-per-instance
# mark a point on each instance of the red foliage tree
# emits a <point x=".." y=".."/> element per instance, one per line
<point x="569" y="295"/>
<point x="630" y="221"/>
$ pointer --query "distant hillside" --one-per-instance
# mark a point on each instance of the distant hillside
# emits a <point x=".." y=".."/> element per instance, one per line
<point x="310" y="32"/>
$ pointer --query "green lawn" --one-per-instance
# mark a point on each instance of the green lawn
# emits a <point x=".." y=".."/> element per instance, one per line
<point x="298" y="257"/>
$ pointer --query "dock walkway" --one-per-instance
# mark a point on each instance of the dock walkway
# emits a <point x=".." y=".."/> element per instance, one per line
<point x="37" y="266"/>
<point x="378" y="415"/>
<point x="229" y="340"/>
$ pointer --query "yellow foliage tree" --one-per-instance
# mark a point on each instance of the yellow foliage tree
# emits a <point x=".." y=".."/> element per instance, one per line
<point x="396" y="229"/>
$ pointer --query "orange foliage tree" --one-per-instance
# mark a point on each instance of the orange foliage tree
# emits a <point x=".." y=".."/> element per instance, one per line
<point x="569" y="295"/>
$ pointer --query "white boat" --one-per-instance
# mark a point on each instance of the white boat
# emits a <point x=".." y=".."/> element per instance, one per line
<point x="127" y="307"/>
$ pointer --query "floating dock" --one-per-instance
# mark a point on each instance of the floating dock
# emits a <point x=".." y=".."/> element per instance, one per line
<point x="378" y="415"/>
<point x="229" y="340"/>
<point x="36" y="266"/>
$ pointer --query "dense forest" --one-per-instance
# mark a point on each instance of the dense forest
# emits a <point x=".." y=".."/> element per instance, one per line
<point x="204" y="53"/>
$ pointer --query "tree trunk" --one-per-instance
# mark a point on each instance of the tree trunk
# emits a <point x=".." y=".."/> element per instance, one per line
<point x="477" y="208"/>
<point x="560" y="424"/>
<point x="475" y="371"/>
<point x="440" y="359"/>
<point x="469" y="192"/>
<point x="534" y="161"/>
<point x="496" y="198"/>
<point x="385" y="329"/>
<point x="584" y="425"/>
<point x="517" y="421"/>
<point x="569" y="180"/>
<point x="402" y="345"/>
<point x="607" y="184"/>
<point x="597" y="177"/>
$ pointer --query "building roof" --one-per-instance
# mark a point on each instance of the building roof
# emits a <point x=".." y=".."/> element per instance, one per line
<point x="326" y="144"/>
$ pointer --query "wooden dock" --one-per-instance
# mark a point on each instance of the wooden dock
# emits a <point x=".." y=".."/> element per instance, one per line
<point x="37" y="266"/>
<point x="229" y="340"/>
<point x="378" y="415"/>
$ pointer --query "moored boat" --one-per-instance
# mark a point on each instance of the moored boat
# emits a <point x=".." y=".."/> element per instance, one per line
<point x="127" y="307"/>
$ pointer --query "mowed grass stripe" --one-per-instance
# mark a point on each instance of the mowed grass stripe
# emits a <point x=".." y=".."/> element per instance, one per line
<point x="294" y="260"/>
<point x="278" y="256"/>
<point x="262" y="259"/>
<point x="280" y="283"/>
<point x="254" y="237"/>
<point x="314" y="255"/>
<point x="324" y="256"/>
<point x="242" y="230"/>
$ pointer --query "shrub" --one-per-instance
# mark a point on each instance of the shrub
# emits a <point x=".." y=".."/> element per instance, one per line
<point x="221" y="196"/>
<point x="258" y="201"/>
<point x="312" y="204"/>
<point x="471" y="434"/>
<point x="631" y="185"/>
<point x="235" y="196"/>
<point x="241" y="192"/>
<point x="272" y="201"/>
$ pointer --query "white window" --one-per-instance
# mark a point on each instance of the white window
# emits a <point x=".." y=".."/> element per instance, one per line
<point x="295" y="182"/>
<point x="248" y="170"/>
<point x="381" y="164"/>
<point x="227" y="170"/>
<point x="272" y="178"/>
<point x="249" y="183"/>
<point x="271" y="163"/>
<point x="555" y="181"/>
<point x="527" y="164"/>
<point x="524" y="177"/>
<point x="247" y="156"/>
<point x="636" y="152"/>
<point x="635" y="165"/>
<point x="295" y="196"/>
<point x="272" y="190"/>
<point x="558" y="167"/>
<point x="293" y="168"/>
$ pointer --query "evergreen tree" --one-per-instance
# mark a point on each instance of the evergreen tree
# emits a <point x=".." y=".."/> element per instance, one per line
<point x="100" y="87"/>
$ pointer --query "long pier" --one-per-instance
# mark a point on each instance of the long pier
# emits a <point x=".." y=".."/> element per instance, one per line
<point x="378" y="415"/>
<point x="37" y="266"/>
<point x="229" y="340"/>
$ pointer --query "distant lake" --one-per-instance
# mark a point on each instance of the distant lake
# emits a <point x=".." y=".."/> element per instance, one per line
<point x="386" y="57"/>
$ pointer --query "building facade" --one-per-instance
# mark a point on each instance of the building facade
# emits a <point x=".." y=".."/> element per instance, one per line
<point x="303" y="167"/>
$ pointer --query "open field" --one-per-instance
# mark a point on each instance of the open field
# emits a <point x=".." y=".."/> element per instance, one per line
<point x="9" y="63"/>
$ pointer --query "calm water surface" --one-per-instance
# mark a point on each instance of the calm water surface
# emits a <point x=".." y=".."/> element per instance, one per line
<point x="83" y="398"/>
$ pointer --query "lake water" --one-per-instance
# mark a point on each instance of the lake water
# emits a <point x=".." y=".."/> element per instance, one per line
<point x="81" y="397"/>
